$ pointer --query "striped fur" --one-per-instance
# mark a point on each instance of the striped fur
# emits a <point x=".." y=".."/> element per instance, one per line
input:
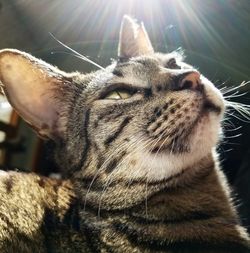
<point x="139" y="174"/>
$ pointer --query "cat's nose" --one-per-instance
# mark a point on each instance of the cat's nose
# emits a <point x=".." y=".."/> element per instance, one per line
<point x="188" y="80"/>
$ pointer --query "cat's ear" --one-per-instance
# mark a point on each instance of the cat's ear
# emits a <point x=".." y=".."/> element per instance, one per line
<point x="134" y="40"/>
<point x="34" y="88"/>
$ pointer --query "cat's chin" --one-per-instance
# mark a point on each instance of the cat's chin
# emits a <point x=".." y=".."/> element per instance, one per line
<point x="164" y="164"/>
<point x="214" y="101"/>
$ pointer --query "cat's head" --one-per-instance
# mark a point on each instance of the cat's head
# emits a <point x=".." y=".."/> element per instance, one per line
<point x="149" y="115"/>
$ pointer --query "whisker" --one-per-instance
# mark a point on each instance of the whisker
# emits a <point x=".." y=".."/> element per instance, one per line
<point x="100" y="170"/>
<point x="154" y="143"/>
<point x="235" y="95"/>
<point x="109" y="179"/>
<point x="231" y="89"/>
<point x="234" y="136"/>
<point x="242" y="109"/>
<point x="76" y="53"/>
<point x="138" y="171"/>
<point x="231" y="130"/>
<point x="125" y="159"/>
<point x="63" y="52"/>
<point x="146" y="197"/>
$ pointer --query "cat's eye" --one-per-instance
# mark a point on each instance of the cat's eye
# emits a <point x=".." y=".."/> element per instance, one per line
<point x="172" y="64"/>
<point x="119" y="94"/>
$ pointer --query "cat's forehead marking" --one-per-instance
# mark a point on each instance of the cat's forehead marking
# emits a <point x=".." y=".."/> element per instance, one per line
<point x="141" y="71"/>
<point x="131" y="74"/>
<point x="137" y="71"/>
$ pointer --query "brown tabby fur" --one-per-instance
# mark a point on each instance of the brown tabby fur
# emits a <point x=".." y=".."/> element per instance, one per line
<point x="99" y="206"/>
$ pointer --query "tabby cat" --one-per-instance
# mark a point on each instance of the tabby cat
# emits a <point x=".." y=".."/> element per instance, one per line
<point x="136" y="145"/>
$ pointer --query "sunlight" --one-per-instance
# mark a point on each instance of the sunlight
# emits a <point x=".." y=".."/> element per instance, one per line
<point x="197" y="26"/>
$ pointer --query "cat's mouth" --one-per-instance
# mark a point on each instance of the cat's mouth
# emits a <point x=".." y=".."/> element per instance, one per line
<point x="208" y="105"/>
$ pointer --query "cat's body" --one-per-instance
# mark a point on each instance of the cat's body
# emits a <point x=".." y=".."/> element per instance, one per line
<point x="136" y="144"/>
<point x="44" y="215"/>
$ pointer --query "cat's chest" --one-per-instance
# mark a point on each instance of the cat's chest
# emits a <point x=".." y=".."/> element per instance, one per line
<point x="66" y="241"/>
<point x="122" y="233"/>
<point x="90" y="234"/>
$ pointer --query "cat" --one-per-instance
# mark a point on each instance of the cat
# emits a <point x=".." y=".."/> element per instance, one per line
<point x="136" y="145"/>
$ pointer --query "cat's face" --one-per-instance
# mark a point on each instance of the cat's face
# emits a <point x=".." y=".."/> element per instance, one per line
<point x="150" y="116"/>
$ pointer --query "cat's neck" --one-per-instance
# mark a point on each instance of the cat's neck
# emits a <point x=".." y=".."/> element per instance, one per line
<point x="120" y="194"/>
<point x="199" y="192"/>
<point x="187" y="207"/>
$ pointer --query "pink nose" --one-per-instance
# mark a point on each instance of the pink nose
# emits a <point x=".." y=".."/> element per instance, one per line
<point x="191" y="81"/>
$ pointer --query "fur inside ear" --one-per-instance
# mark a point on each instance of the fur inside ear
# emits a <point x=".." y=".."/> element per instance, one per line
<point x="134" y="40"/>
<point x="33" y="88"/>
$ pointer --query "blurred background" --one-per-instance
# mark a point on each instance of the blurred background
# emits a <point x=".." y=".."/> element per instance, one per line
<point x="214" y="34"/>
